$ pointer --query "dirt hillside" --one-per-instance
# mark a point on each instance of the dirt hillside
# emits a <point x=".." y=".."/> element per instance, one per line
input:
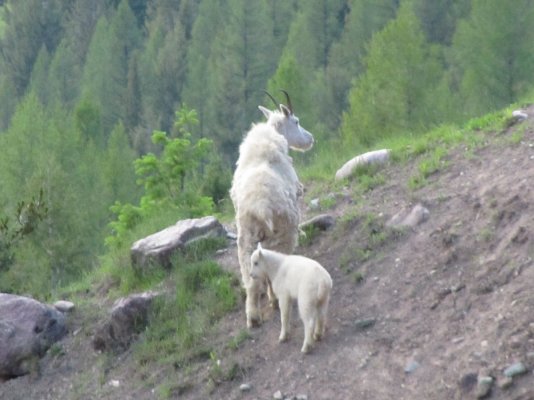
<point x="437" y="311"/>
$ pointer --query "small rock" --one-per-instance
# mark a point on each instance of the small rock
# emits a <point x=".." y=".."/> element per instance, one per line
<point x="278" y="395"/>
<point x="64" y="306"/>
<point x="362" y="324"/>
<point x="515" y="369"/>
<point x="302" y="397"/>
<point x="411" y="366"/>
<point x="468" y="381"/>
<point x="245" y="387"/>
<point x="114" y="383"/>
<point x="505" y="382"/>
<point x="484" y="385"/>
<point x="314" y="204"/>
<point x="519" y="115"/>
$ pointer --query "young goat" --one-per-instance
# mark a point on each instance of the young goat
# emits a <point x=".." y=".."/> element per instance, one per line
<point x="296" y="277"/>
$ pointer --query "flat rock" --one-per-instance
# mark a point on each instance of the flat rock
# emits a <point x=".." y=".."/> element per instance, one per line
<point x="322" y="222"/>
<point x="371" y="157"/>
<point x="159" y="247"/>
<point x="410" y="218"/>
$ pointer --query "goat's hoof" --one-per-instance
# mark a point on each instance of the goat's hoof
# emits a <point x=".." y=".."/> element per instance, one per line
<point x="274" y="304"/>
<point x="254" y="322"/>
<point x="283" y="338"/>
<point x="305" y="349"/>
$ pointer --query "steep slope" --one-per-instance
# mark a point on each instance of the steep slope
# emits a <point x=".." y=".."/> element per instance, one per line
<point x="418" y="313"/>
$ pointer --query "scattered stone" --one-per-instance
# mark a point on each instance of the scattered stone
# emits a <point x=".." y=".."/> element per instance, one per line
<point x="362" y="324"/>
<point x="278" y="395"/>
<point x="128" y="317"/>
<point x="314" y="204"/>
<point x="64" y="306"/>
<point x="302" y="397"/>
<point x="506" y="382"/>
<point x="370" y="158"/>
<point x="245" y="387"/>
<point x="159" y="247"/>
<point x="322" y="222"/>
<point x="411" y="366"/>
<point x="28" y="329"/>
<point x="114" y="383"/>
<point x="468" y="381"/>
<point x="515" y="369"/>
<point x="484" y="385"/>
<point x="519" y="115"/>
<point x="403" y="219"/>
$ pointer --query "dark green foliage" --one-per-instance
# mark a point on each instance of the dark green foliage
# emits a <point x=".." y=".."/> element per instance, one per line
<point x="84" y="84"/>
<point x="27" y="216"/>
<point x="169" y="180"/>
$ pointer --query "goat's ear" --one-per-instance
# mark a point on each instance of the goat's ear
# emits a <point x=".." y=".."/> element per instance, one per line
<point x="259" y="247"/>
<point x="285" y="110"/>
<point x="265" y="111"/>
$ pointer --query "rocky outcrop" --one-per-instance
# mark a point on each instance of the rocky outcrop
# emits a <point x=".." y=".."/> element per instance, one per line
<point x="27" y="330"/>
<point x="128" y="317"/>
<point x="159" y="247"/>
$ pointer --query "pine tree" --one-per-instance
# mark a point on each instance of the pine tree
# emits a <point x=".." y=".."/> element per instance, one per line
<point x="346" y="57"/>
<point x="494" y="52"/>
<point x="240" y="63"/>
<point x="397" y="91"/>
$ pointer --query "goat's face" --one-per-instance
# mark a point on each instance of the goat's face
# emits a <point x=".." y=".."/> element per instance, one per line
<point x="256" y="270"/>
<point x="287" y="124"/>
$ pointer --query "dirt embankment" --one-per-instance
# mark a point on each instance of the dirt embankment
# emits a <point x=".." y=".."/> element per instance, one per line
<point x="431" y="312"/>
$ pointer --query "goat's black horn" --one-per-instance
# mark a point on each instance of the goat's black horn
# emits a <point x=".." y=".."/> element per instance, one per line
<point x="288" y="100"/>
<point x="272" y="98"/>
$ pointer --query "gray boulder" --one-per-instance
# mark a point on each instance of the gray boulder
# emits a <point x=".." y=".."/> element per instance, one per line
<point x="128" y="317"/>
<point x="27" y="330"/>
<point x="159" y="247"/>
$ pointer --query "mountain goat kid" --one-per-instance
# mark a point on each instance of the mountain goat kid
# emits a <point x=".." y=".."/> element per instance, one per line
<point x="265" y="191"/>
<point x="296" y="277"/>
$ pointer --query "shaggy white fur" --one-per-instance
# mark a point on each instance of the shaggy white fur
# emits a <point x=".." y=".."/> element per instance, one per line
<point x="298" y="278"/>
<point x="265" y="190"/>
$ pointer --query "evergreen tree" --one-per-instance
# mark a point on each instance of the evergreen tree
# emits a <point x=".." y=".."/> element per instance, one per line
<point x="29" y="25"/>
<point x="494" y="52"/>
<point x="106" y="70"/>
<point x="397" y="91"/>
<point x="197" y="85"/>
<point x="346" y="57"/>
<point x="241" y="61"/>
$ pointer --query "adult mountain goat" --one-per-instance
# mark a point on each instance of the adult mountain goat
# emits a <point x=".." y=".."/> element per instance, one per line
<point x="265" y="191"/>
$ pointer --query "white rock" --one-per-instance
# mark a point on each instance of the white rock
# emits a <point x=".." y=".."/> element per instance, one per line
<point x="372" y="157"/>
<point x="64" y="306"/>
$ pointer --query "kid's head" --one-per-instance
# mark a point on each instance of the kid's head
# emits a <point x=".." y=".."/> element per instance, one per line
<point x="256" y="259"/>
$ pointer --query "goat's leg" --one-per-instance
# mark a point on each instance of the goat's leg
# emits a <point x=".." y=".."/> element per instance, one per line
<point x="253" y="304"/>
<point x="273" y="301"/>
<point x="285" y="317"/>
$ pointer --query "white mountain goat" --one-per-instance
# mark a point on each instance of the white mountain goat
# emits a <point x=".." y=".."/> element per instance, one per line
<point x="265" y="190"/>
<point x="296" y="278"/>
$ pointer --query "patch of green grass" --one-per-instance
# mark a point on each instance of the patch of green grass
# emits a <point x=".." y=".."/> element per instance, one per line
<point x="309" y="233"/>
<point x="428" y="166"/>
<point x="239" y="339"/>
<point x="179" y="327"/>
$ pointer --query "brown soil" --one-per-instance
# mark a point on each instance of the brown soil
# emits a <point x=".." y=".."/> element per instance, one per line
<point x="415" y="313"/>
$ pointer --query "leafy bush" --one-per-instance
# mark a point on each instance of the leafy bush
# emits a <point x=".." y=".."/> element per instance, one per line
<point x="170" y="180"/>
